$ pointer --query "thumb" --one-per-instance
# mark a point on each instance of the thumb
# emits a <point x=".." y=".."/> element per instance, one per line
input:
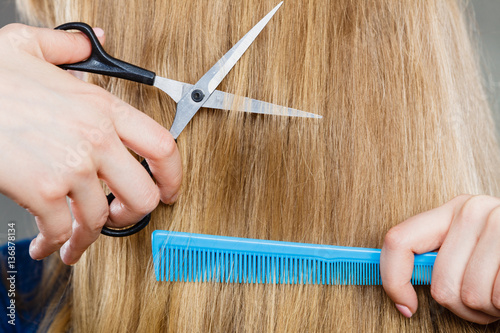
<point x="419" y="234"/>
<point x="57" y="46"/>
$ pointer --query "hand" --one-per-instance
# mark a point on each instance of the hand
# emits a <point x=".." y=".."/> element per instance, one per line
<point x="60" y="135"/>
<point x="466" y="275"/>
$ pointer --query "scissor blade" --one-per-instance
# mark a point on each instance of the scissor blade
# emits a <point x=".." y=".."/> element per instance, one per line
<point x="219" y="71"/>
<point x="173" y="88"/>
<point x="187" y="106"/>
<point x="225" y="101"/>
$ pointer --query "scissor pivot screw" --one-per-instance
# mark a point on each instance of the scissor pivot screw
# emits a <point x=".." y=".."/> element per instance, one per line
<point x="197" y="95"/>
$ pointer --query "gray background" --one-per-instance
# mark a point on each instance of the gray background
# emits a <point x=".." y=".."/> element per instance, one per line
<point x="487" y="12"/>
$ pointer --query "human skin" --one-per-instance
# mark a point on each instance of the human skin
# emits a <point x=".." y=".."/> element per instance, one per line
<point x="59" y="135"/>
<point x="466" y="275"/>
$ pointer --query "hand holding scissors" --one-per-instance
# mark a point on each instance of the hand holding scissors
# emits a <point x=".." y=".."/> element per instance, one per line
<point x="59" y="136"/>
<point x="189" y="98"/>
<point x="47" y="118"/>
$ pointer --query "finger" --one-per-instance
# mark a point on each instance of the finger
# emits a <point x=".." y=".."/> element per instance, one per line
<point x="418" y="234"/>
<point x="477" y="289"/>
<point x="90" y="210"/>
<point x="152" y="141"/>
<point x="495" y="297"/>
<point x="454" y="254"/>
<point x="135" y="191"/>
<point x="62" y="47"/>
<point x="54" y="224"/>
<point x="482" y="268"/>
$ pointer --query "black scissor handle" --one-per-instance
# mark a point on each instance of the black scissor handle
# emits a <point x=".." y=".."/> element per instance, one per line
<point x="100" y="62"/>
<point x="136" y="227"/>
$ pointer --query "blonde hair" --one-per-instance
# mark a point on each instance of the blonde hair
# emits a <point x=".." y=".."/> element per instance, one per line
<point x="406" y="127"/>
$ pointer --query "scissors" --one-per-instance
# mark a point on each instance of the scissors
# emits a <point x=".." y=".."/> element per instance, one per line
<point x="189" y="98"/>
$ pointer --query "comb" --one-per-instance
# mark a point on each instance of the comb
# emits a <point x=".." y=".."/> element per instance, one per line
<point x="188" y="257"/>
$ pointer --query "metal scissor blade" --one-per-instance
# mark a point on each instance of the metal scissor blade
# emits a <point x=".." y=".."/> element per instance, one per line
<point x="173" y="88"/>
<point x="219" y="71"/>
<point x="225" y="101"/>
<point x="194" y="99"/>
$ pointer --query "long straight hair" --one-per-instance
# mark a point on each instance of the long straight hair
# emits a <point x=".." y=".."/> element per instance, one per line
<point x="406" y="127"/>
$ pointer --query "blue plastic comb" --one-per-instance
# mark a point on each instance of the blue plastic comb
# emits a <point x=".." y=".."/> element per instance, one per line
<point x="187" y="257"/>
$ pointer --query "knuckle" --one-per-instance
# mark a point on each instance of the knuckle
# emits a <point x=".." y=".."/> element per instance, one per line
<point x="474" y="203"/>
<point x="97" y="96"/>
<point x="51" y="190"/>
<point x="96" y="133"/>
<point x="104" y="142"/>
<point x="443" y="294"/>
<point x="97" y="224"/>
<point x="471" y="299"/>
<point x="149" y="203"/>
<point x="493" y="221"/>
<point x="473" y="207"/>
<point x="395" y="239"/>
<point x="167" y="148"/>
<point x="60" y="239"/>
<point x="84" y="169"/>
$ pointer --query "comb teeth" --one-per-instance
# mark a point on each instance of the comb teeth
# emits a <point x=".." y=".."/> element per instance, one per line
<point x="187" y="257"/>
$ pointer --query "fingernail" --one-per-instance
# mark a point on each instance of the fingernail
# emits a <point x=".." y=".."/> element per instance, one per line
<point x="404" y="310"/>
<point x="98" y="32"/>
<point x="32" y="247"/>
<point x="62" y="251"/>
